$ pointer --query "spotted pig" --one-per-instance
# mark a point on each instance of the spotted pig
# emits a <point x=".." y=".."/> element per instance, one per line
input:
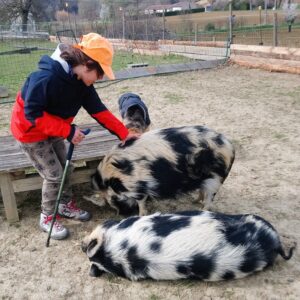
<point x="196" y="244"/>
<point x="164" y="163"/>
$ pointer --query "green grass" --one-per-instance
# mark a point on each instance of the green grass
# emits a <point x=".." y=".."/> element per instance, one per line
<point x="293" y="93"/>
<point x="123" y="58"/>
<point x="154" y="297"/>
<point x="15" y="67"/>
<point x="279" y="136"/>
<point x="173" y="98"/>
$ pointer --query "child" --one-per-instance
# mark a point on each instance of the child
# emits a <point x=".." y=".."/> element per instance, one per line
<point x="45" y="108"/>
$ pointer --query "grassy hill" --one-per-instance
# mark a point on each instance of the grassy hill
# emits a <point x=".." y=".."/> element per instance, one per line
<point x="220" y="19"/>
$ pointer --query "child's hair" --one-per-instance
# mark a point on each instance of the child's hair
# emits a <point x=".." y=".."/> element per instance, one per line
<point x="75" y="57"/>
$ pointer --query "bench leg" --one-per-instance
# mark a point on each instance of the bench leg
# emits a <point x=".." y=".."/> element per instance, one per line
<point x="9" y="199"/>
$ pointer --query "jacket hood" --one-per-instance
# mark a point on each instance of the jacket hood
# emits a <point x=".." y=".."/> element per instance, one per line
<point x="56" y="55"/>
<point x="55" y="67"/>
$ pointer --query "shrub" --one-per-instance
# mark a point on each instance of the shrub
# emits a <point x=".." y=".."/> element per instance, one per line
<point x="209" y="27"/>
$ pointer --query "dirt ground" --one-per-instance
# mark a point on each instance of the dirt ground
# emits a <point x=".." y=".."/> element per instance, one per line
<point x="259" y="111"/>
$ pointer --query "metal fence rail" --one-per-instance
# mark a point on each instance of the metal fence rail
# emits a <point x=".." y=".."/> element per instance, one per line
<point x="18" y="57"/>
<point x="21" y="51"/>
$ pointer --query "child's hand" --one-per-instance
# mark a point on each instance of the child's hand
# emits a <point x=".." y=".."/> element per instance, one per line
<point x="78" y="136"/>
<point x="131" y="135"/>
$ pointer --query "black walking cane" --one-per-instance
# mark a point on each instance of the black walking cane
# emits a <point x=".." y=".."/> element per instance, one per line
<point x="69" y="157"/>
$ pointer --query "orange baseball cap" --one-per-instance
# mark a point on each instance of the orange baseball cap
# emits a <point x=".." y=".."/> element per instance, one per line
<point x="99" y="49"/>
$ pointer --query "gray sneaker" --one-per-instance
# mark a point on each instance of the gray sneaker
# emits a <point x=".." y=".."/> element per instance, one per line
<point x="70" y="210"/>
<point x="59" y="232"/>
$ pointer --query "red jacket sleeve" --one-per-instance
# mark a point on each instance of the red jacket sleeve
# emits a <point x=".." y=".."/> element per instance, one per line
<point x="94" y="106"/>
<point x="111" y="123"/>
<point x="52" y="125"/>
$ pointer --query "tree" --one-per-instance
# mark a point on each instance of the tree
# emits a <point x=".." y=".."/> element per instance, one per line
<point x="61" y="16"/>
<point x="44" y="10"/>
<point x="290" y="13"/>
<point x="11" y="10"/>
<point x="89" y="9"/>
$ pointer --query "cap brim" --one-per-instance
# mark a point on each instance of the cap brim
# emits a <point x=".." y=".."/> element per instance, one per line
<point x="108" y="71"/>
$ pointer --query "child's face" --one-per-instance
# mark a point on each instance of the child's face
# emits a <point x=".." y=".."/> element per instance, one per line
<point x="88" y="77"/>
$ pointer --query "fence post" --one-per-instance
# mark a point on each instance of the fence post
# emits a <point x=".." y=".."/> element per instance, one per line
<point x="196" y="32"/>
<point x="275" y="30"/>
<point x="75" y="23"/>
<point x="266" y="12"/>
<point x="260" y="33"/>
<point x="164" y="25"/>
<point x="230" y="22"/>
<point x="147" y="28"/>
<point x="123" y="25"/>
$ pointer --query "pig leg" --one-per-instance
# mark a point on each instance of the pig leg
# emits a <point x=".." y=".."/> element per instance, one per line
<point x="142" y="206"/>
<point x="208" y="191"/>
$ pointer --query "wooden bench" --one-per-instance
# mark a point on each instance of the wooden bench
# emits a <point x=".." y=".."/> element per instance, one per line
<point x="16" y="172"/>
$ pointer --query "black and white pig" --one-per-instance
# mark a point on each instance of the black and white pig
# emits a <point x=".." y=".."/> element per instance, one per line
<point x="197" y="244"/>
<point x="161" y="164"/>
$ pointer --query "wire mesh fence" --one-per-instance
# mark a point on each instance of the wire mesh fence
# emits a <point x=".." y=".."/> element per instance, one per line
<point x="149" y="40"/>
<point x="267" y="36"/>
<point x="18" y="56"/>
<point x="21" y="51"/>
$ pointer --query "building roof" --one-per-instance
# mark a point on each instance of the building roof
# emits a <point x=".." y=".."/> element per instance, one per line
<point x="184" y="5"/>
<point x="203" y="3"/>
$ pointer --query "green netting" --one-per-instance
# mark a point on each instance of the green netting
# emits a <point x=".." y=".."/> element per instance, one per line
<point x="20" y="53"/>
<point x="19" y="57"/>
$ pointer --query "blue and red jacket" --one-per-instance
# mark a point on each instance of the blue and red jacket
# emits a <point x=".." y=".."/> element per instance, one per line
<point x="50" y="99"/>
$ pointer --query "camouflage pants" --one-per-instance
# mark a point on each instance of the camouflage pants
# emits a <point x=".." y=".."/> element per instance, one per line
<point x="49" y="158"/>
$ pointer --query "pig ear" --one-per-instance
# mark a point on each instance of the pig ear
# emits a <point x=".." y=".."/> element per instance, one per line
<point x="92" y="248"/>
<point x="95" y="239"/>
<point x="92" y="244"/>
<point x="117" y="185"/>
<point x="97" y="180"/>
<point x="95" y="244"/>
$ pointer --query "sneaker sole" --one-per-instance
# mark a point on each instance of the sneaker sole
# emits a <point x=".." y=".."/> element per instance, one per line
<point x="56" y="237"/>
<point x="77" y="219"/>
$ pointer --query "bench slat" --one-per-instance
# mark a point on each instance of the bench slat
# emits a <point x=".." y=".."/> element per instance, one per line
<point x="12" y="159"/>
<point x="94" y="146"/>
<point x="35" y="182"/>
